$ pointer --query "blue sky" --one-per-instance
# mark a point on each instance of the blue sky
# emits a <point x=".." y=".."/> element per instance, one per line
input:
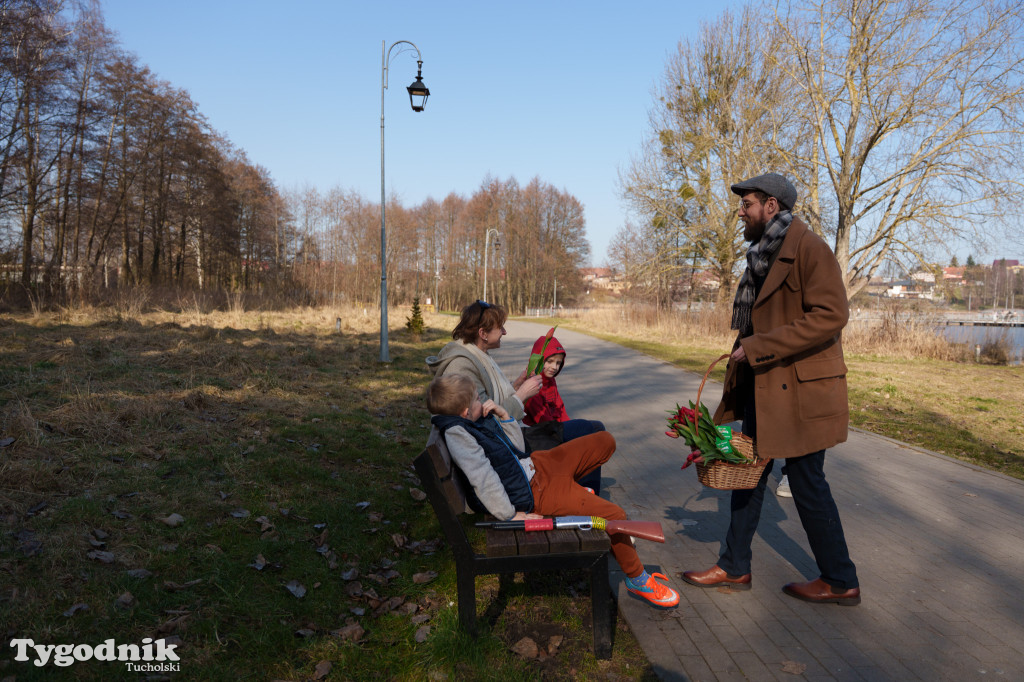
<point x="558" y="90"/>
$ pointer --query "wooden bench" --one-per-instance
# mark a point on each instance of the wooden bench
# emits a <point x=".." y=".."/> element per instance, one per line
<point x="509" y="552"/>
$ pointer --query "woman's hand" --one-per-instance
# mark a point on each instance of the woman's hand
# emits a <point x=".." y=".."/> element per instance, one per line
<point x="529" y="388"/>
<point x="522" y="516"/>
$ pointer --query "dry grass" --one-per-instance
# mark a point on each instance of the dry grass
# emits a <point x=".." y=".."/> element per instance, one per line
<point x="905" y="381"/>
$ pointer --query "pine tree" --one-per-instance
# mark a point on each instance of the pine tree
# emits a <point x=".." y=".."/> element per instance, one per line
<point x="414" y="322"/>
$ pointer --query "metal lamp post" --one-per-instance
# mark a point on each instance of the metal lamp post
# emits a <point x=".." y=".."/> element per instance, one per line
<point x="497" y="244"/>
<point x="418" y="94"/>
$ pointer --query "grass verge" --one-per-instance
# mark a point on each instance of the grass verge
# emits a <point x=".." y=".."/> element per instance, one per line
<point x="239" y="484"/>
<point x="969" y="411"/>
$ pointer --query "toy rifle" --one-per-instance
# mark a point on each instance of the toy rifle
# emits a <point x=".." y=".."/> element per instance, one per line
<point x="537" y="359"/>
<point x="646" y="530"/>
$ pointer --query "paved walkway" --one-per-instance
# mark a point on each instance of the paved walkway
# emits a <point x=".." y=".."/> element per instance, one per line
<point x="939" y="545"/>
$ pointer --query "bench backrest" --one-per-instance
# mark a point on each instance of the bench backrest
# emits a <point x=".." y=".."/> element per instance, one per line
<point x="444" y="491"/>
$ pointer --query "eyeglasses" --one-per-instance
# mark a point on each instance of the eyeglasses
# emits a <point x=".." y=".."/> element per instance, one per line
<point x="483" y="304"/>
<point x="747" y="204"/>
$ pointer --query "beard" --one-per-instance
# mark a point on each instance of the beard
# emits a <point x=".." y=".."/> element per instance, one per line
<point x="752" y="230"/>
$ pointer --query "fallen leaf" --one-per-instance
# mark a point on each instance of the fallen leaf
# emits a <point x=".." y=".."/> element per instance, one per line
<point x="139" y="573"/>
<point x="264" y="522"/>
<point x="526" y="647"/>
<point x="417" y="494"/>
<point x="323" y="668"/>
<point x="354" y="589"/>
<point x="421" y="618"/>
<point x="305" y="632"/>
<point x="422" y="634"/>
<point x="407" y="609"/>
<point x="350" y="574"/>
<point x="35" y="509"/>
<point x="399" y="540"/>
<point x="423" y="578"/>
<point x="118" y="514"/>
<point x="352" y="632"/>
<point x="173" y="624"/>
<point x="125" y="601"/>
<point x="259" y="563"/>
<point x="240" y="513"/>
<point x="362" y="505"/>
<point x="172" y="520"/>
<point x="172" y="586"/>
<point x="554" y="643"/>
<point x="296" y="588"/>
<point x="99" y="534"/>
<point x="793" y="667"/>
<point x="98" y="555"/>
<point x="75" y="609"/>
<point x="6" y="441"/>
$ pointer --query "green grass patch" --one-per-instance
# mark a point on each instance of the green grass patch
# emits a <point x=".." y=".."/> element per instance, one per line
<point x="286" y="448"/>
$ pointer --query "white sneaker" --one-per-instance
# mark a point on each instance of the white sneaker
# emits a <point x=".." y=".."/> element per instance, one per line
<point x="783" y="489"/>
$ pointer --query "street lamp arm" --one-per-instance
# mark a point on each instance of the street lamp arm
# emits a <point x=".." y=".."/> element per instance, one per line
<point x="387" y="57"/>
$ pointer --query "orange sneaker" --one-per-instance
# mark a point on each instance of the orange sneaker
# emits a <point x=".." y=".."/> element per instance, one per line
<point x="655" y="592"/>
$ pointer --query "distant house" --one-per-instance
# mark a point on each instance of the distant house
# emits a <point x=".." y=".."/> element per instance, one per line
<point x="598" y="277"/>
<point x="953" y="275"/>
<point x="910" y="288"/>
<point x="1005" y="262"/>
<point x="707" y="280"/>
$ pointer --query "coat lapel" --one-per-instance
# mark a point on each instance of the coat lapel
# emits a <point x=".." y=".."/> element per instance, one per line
<point x="780" y="270"/>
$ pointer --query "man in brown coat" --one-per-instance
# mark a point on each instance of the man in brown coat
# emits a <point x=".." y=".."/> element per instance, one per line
<point x="786" y="380"/>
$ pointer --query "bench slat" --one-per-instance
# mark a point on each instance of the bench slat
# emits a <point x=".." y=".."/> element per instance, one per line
<point x="532" y="542"/>
<point x="501" y="543"/>
<point x="591" y="540"/>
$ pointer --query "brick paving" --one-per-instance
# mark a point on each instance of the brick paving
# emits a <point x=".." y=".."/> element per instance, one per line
<point x="939" y="545"/>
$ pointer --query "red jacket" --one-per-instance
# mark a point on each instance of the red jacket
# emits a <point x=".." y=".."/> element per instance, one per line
<point x="547" y="405"/>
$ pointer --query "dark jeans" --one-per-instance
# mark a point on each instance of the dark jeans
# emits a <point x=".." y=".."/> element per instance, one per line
<point x="574" y="428"/>
<point x="815" y="506"/>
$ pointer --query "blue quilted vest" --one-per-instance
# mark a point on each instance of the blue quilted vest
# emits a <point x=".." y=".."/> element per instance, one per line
<point x="503" y="455"/>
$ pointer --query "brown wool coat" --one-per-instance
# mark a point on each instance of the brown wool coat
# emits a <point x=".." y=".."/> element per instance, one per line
<point x="795" y="352"/>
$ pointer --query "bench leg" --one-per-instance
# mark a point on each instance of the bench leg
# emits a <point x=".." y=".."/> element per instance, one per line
<point x="601" y="608"/>
<point x="466" y="581"/>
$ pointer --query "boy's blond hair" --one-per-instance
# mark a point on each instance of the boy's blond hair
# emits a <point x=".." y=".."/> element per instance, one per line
<point x="450" y="394"/>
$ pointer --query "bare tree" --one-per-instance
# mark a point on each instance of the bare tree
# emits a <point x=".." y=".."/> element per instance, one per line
<point x="722" y="114"/>
<point x="916" y="108"/>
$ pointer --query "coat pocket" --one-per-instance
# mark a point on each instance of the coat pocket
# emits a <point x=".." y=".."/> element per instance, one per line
<point x="821" y="388"/>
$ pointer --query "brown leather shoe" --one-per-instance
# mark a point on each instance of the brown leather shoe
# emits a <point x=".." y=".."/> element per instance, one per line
<point x="820" y="592"/>
<point x="716" y="577"/>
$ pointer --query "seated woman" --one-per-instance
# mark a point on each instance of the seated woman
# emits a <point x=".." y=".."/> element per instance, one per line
<point x="479" y="330"/>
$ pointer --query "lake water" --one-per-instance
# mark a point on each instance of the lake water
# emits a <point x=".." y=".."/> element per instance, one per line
<point x="976" y="335"/>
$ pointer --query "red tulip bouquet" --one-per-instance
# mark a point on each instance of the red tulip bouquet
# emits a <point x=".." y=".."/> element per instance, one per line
<point x="707" y="441"/>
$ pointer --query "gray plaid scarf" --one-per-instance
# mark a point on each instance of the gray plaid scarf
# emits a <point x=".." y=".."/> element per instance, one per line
<point x="759" y="255"/>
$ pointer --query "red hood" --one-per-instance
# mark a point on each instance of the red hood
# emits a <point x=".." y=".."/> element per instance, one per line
<point x="554" y="348"/>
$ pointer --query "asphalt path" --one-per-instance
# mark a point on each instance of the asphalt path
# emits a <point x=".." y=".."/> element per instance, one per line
<point x="938" y="544"/>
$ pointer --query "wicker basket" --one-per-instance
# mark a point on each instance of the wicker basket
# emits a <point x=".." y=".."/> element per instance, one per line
<point x="723" y="475"/>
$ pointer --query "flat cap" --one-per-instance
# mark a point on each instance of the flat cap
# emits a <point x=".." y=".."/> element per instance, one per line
<point x="772" y="184"/>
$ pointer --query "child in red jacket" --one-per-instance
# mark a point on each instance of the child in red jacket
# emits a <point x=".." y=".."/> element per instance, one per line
<point x="548" y="406"/>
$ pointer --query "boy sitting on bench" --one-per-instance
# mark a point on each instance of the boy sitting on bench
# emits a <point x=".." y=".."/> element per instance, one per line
<point x="487" y="446"/>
